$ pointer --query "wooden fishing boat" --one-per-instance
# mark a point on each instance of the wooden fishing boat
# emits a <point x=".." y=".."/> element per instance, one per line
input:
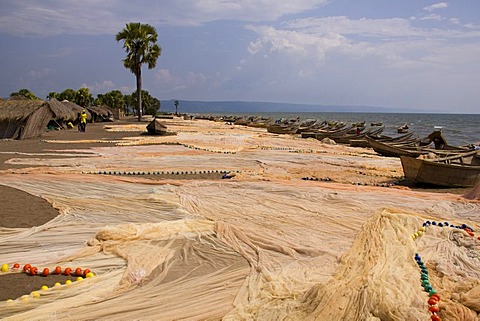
<point x="327" y="133"/>
<point x="229" y="119"/>
<point x="460" y="170"/>
<point x="393" y="139"/>
<point x="363" y="142"/>
<point x="323" y="128"/>
<point x="241" y="121"/>
<point x="164" y="116"/>
<point x="308" y="125"/>
<point x="261" y="122"/>
<point x="411" y="149"/>
<point x="284" y="126"/>
<point x="403" y="129"/>
<point x="155" y="127"/>
<point x="360" y="134"/>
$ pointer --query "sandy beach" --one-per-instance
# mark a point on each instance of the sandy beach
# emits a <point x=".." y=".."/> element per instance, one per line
<point x="300" y="230"/>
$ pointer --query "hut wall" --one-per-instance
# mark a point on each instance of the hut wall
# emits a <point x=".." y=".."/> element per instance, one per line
<point x="118" y="113"/>
<point x="36" y="124"/>
<point x="9" y="128"/>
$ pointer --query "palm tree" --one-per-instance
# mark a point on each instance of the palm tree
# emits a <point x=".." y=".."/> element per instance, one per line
<point x="140" y="44"/>
<point x="176" y="107"/>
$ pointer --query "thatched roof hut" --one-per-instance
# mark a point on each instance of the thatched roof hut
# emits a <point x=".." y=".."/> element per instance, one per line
<point x="61" y="111"/>
<point x="101" y="113"/>
<point x="77" y="109"/>
<point x="20" y="119"/>
<point x="24" y="118"/>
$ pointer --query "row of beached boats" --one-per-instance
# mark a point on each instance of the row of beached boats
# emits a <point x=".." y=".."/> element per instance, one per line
<point x="429" y="160"/>
<point x="436" y="163"/>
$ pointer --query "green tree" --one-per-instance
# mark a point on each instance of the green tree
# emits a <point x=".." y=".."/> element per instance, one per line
<point x="129" y="104"/>
<point x="68" y="94"/>
<point x="150" y="104"/>
<point x="154" y="107"/>
<point x="83" y="97"/>
<point x="24" y="93"/>
<point x="176" y="106"/>
<point x="113" y="99"/>
<point x="52" y="94"/>
<point x="140" y="44"/>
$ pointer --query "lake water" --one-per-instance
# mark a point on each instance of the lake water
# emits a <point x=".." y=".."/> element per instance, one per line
<point x="458" y="129"/>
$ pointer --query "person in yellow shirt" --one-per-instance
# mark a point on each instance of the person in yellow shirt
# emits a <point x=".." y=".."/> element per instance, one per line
<point x="83" y="121"/>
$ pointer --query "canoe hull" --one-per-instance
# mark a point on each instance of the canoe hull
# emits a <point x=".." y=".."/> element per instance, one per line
<point x="440" y="174"/>
<point x="155" y="127"/>
<point x="392" y="150"/>
<point x="282" y="129"/>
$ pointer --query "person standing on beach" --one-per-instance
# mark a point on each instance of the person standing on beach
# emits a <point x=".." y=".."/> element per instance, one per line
<point x="83" y="121"/>
<point x="79" y="124"/>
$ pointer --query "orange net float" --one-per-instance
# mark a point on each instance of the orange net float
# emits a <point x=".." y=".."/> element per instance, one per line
<point x="85" y="272"/>
<point x="58" y="270"/>
<point x="78" y="271"/>
<point x="435" y="317"/>
<point x="67" y="271"/>
<point x="45" y="272"/>
<point x="33" y="270"/>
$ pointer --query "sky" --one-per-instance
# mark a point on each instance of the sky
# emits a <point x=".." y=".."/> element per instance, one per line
<point x="415" y="54"/>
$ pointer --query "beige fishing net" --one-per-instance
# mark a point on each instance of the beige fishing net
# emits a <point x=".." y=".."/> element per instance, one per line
<point x="265" y="245"/>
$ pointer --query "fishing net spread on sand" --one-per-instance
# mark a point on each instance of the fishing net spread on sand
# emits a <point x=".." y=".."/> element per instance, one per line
<point x="263" y="246"/>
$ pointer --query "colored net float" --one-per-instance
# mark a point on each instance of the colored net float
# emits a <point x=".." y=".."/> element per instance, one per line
<point x="433" y="296"/>
<point x="192" y="172"/>
<point x="28" y="269"/>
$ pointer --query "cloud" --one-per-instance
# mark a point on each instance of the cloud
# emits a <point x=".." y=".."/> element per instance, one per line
<point x="432" y="17"/>
<point x="93" y="17"/>
<point x="297" y="44"/>
<point x="312" y="40"/>
<point x="251" y="10"/>
<point x="163" y="76"/>
<point x="171" y="82"/>
<point x="40" y="73"/>
<point x="433" y="7"/>
<point x="377" y="61"/>
<point x="99" y="87"/>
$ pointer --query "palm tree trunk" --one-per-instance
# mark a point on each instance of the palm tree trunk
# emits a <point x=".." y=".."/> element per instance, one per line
<point x="139" y="91"/>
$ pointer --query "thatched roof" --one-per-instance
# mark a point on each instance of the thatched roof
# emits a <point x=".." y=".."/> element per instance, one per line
<point x="103" y="111"/>
<point x="18" y="97"/>
<point x="24" y="118"/>
<point x="21" y="119"/>
<point x="18" y="109"/>
<point x="61" y="111"/>
<point x="77" y="109"/>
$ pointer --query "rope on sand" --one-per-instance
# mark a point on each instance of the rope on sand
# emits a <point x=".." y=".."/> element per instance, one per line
<point x="209" y="150"/>
<point x="195" y="172"/>
<point x="327" y="179"/>
<point x="293" y="150"/>
<point x="136" y="143"/>
<point x="312" y="151"/>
